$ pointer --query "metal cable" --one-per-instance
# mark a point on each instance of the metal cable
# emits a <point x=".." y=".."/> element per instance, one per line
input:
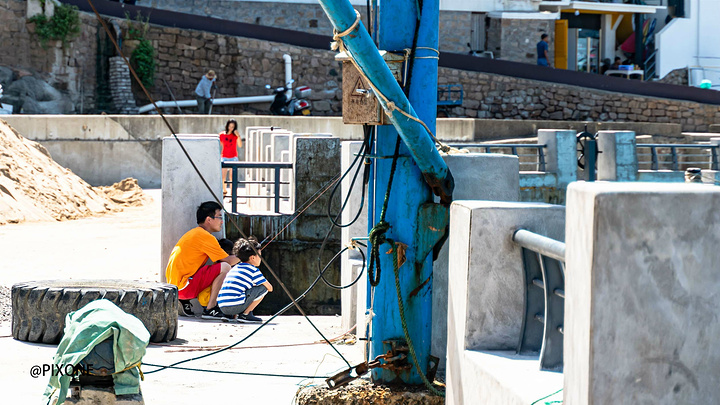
<point x="232" y="220"/>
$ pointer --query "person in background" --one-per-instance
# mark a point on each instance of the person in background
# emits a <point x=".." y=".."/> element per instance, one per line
<point x="616" y="64"/>
<point x="202" y="92"/>
<point x="543" y="54"/>
<point x="230" y="141"/>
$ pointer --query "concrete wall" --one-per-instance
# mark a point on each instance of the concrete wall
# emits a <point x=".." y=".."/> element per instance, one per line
<point x="486" y="302"/>
<point x="183" y="190"/>
<point x="104" y="149"/>
<point x="296" y="253"/>
<point x="642" y="288"/>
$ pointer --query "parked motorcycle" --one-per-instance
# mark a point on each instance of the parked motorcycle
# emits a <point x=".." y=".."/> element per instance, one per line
<point x="297" y="105"/>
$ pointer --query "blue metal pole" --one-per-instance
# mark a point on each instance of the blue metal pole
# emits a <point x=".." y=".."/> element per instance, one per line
<point x="418" y="164"/>
<point x="394" y="34"/>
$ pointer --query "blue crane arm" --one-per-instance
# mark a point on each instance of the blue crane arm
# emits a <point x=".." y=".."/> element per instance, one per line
<point x="422" y="147"/>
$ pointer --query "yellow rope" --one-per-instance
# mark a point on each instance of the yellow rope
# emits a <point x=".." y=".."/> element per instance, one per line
<point x="389" y="106"/>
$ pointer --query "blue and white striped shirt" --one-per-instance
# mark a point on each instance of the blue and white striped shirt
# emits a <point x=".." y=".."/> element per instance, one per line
<point x="238" y="280"/>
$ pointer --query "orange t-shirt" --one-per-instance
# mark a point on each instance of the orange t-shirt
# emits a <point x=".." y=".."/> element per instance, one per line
<point x="190" y="253"/>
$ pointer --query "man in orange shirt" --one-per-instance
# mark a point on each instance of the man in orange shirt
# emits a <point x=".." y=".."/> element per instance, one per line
<point x="188" y="266"/>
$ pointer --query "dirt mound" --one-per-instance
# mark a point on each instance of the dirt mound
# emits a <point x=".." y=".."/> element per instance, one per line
<point x="126" y="193"/>
<point x="33" y="187"/>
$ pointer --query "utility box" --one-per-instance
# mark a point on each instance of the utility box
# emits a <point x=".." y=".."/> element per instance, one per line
<point x="360" y="104"/>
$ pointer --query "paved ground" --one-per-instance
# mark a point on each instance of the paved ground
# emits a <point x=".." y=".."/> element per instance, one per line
<point x="126" y="245"/>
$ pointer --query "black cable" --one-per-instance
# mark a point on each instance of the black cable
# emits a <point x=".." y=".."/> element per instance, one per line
<point x="368" y="137"/>
<point x="362" y="153"/>
<point x="280" y="312"/>
<point x="212" y="193"/>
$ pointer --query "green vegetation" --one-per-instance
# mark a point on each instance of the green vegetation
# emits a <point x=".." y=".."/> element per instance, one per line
<point x="143" y="56"/>
<point x="143" y="60"/>
<point x="63" y="26"/>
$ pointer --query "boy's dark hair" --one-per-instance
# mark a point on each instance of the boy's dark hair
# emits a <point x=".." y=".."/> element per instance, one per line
<point x="243" y="248"/>
<point x="226" y="245"/>
<point x="543" y="36"/>
<point x="207" y="209"/>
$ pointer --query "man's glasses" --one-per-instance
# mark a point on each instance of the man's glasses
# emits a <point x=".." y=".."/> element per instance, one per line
<point x="220" y="217"/>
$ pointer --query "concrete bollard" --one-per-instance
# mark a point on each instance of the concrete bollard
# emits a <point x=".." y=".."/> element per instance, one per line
<point x="183" y="190"/>
<point x="486" y="301"/>
<point x="618" y="158"/>
<point x="560" y="154"/>
<point x="478" y="176"/>
<point x="642" y="284"/>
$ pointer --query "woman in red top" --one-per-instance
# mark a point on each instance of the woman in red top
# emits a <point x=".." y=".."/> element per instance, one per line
<point x="230" y="141"/>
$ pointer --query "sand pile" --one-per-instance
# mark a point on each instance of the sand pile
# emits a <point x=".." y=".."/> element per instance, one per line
<point x="33" y="187"/>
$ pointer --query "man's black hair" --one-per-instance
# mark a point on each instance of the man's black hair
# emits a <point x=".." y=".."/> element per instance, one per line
<point x="207" y="209"/>
<point x="543" y="36"/>
<point x="226" y="245"/>
<point x="243" y="248"/>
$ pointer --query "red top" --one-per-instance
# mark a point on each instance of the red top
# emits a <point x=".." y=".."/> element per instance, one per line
<point x="229" y="144"/>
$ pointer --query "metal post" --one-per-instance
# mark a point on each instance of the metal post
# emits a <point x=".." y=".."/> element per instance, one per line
<point x="714" y="157"/>
<point x="590" y="159"/>
<point x="234" y="183"/>
<point x="277" y="189"/>
<point x="673" y="152"/>
<point x="419" y="164"/>
<point x="397" y="21"/>
<point x="653" y="158"/>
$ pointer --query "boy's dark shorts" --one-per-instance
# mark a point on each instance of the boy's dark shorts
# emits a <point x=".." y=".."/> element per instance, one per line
<point x="251" y="294"/>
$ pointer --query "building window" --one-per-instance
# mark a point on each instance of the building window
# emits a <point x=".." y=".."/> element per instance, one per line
<point x="313" y="23"/>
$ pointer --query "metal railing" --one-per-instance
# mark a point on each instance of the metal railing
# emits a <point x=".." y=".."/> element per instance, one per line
<point x="534" y="161"/>
<point x="668" y="157"/>
<point x="235" y="182"/>
<point x="544" y="270"/>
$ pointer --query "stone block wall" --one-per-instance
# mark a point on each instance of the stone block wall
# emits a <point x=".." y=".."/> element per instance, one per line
<point x="243" y="66"/>
<point x="70" y="68"/>
<point x="504" y="97"/>
<point x="121" y="86"/>
<point x="454" y="26"/>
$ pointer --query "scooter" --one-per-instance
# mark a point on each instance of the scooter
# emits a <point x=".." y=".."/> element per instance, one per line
<point x="297" y="105"/>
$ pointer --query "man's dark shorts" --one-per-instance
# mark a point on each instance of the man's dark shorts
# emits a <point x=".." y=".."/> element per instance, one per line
<point x="251" y="294"/>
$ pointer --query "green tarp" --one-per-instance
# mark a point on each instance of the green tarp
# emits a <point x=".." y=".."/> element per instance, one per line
<point x="90" y="326"/>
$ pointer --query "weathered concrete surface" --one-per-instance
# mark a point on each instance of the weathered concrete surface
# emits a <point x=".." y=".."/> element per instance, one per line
<point x="99" y="162"/>
<point x="618" y="160"/>
<point x="560" y="154"/>
<point x="642" y="287"/>
<point x="183" y="189"/>
<point x="295" y="253"/>
<point x="478" y="176"/>
<point x="486" y="282"/>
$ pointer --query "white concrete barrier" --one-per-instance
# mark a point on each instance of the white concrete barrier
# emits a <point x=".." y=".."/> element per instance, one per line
<point x="182" y="188"/>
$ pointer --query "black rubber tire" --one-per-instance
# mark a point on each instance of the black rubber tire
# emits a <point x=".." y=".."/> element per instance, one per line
<point x="39" y="307"/>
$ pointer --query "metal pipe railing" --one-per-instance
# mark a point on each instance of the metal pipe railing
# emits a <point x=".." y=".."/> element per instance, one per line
<point x="540" y="244"/>
<point x="275" y="166"/>
<point x="713" y="161"/>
